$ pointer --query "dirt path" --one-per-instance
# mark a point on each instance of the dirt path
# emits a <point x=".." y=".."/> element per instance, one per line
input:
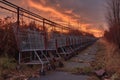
<point x="63" y="76"/>
<point x="83" y="59"/>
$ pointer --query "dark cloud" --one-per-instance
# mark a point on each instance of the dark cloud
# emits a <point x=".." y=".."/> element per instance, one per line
<point x="90" y="10"/>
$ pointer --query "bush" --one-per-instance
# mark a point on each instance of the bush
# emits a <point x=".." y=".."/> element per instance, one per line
<point x="6" y="63"/>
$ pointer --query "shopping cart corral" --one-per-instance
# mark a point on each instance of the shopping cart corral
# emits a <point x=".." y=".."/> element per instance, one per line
<point x="43" y="42"/>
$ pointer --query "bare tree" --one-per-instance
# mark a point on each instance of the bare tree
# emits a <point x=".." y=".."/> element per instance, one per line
<point x="113" y="20"/>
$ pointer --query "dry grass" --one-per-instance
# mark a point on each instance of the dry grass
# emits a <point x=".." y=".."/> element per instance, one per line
<point x="108" y="58"/>
<point x="112" y="60"/>
<point x="93" y="78"/>
<point x="100" y="56"/>
<point x="107" y="55"/>
<point x="8" y="70"/>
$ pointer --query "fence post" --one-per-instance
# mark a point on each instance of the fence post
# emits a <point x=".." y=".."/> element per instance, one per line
<point x="56" y="44"/>
<point x="45" y="34"/>
<point x="18" y="17"/>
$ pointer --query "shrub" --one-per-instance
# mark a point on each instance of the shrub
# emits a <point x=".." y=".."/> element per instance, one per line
<point x="113" y="20"/>
<point x="6" y="63"/>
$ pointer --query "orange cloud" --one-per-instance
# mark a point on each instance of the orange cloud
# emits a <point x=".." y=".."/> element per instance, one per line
<point x="65" y="18"/>
<point x="69" y="11"/>
<point x="48" y="9"/>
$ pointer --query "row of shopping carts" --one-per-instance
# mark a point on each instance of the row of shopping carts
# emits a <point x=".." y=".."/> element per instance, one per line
<point x="41" y="46"/>
<point x="37" y="48"/>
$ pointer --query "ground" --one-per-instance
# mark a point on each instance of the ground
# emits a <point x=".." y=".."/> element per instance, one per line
<point x="77" y="68"/>
<point x="82" y="61"/>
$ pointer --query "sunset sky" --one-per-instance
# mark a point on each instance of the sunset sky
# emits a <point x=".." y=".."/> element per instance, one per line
<point x="88" y="14"/>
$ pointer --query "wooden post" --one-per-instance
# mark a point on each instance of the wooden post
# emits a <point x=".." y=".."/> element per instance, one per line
<point x="18" y="17"/>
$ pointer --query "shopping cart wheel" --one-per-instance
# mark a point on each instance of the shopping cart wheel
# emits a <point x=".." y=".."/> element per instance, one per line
<point x="61" y="64"/>
<point x="53" y="66"/>
<point x="49" y="67"/>
<point x="43" y="72"/>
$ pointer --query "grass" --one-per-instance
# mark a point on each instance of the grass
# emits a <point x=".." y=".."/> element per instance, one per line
<point x="112" y="58"/>
<point x="8" y="68"/>
<point x="115" y="76"/>
<point x="82" y="71"/>
<point x="7" y="65"/>
<point x="108" y="58"/>
<point x="93" y="78"/>
<point x="100" y="57"/>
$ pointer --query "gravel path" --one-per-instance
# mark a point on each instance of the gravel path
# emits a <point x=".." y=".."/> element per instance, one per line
<point x="83" y="59"/>
<point x="63" y="76"/>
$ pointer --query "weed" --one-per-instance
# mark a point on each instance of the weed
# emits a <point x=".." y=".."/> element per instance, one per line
<point x="7" y="63"/>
